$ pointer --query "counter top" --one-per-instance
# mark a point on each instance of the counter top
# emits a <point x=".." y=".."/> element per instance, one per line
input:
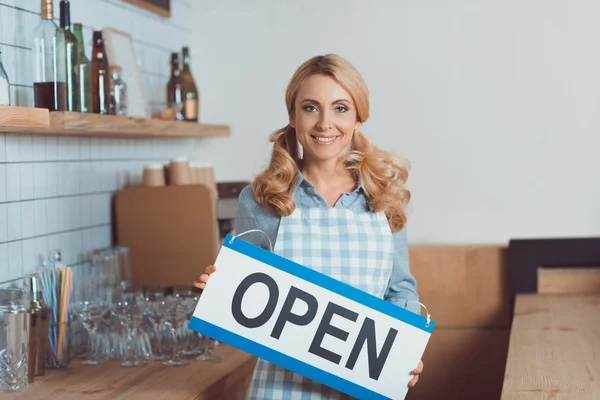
<point x="554" y="350"/>
<point x="228" y="379"/>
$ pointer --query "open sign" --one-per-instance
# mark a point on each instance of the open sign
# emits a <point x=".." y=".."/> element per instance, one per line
<point x="309" y="323"/>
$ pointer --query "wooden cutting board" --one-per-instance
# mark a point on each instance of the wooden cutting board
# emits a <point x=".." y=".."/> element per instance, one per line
<point x="171" y="232"/>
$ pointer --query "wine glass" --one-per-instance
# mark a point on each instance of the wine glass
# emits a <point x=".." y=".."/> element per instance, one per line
<point x="157" y="310"/>
<point x="130" y="310"/>
<point x="90" y="306"/>
<point x="176" y="314"/>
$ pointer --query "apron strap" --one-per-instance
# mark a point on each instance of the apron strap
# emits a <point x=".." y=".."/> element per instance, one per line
<point x="250" y="231"/>
<point x="422" y="305"/>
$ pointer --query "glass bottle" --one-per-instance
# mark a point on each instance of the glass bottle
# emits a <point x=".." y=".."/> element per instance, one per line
<point x="118" y="91"/>
<point x="4" y="85"/>
<point x="49" y="78"/>
<point x="71" y="57"/>
<point x="13" y="340"/>
<point x="100" y="76"/>
<point x="175" y="88"/>
<point x="190" y="92"/>
<point x="85" y="73"/>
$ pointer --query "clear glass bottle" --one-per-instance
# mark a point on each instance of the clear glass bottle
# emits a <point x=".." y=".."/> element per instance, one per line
<point x="4" y="85"/>
<point x="85" y="73"/>
<point x="49" y="77"/>
<point x="71" y="57"/>
<point x="118" y="92"/>
<point x="13" y="340"/>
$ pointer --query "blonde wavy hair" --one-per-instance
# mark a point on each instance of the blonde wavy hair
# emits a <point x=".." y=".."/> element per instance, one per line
<point x="383" y="175"/>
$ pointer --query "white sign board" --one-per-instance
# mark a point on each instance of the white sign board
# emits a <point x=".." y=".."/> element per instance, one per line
<point x="309" y="323"/>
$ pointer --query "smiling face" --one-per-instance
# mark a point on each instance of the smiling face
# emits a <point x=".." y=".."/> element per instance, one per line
<point x="324" y="118"/>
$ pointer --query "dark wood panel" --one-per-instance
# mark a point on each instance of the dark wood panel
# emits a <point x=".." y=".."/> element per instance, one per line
<point x="525" y="256"/>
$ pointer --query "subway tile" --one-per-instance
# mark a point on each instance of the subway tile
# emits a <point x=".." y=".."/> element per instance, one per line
<point x="15" y="259"/>
<point x="13" y="182"/>
<point x="27" y="182"/>
<point x="14" y="225"/>
<point x="4" y="269"/>
<point x="40" y="213"/>
<point x="101" y="209"/>
<point x="74" y="248"/>
<point x="25" y="148"/>
<point x="31" y="5"/>
<point x="84" y="148"/>
<point x="96" y="171"/>
<point x="53" y="216"/>
<point x="51" y="148"/>
<point x="39" y="148"/>
<point x="2" y="183"/>
<point x="27" y="219"/>
<point x="64" y="219"/>
<point x="40" y="180"/>
<point x="95" y="149"/>
<point x="31" y="256"/>
<point x="109" y="177"/>
<point x="2" y="147"/>
<point x="7" y="19"/>
<point x="87" y="210"/>
<point x="24" y="96"/>
<point x="13" y="144"/>
<point x="53" y="183"/>
<point x="85" y="177"/>
<point x="3" y="224"/>
<point x="74" y="213"/>
<point x="69" y="173"/>
<point x="63" y="148"/>
<point x="104" y="237"/>
<point x="106" y="150"/>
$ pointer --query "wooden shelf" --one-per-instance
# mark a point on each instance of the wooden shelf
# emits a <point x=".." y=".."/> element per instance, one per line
<point x="41" y="122"/>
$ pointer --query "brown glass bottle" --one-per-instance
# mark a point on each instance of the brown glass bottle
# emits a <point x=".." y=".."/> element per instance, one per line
<point x="100" y="76"/>
<point x="190" y="92"/>
<point x="175" y="88"/>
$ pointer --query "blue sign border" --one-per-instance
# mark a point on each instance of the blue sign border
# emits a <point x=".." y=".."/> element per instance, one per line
<point x="324" y="281"/>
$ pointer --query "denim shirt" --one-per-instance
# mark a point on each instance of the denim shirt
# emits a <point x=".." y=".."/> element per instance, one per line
<point x="251" y="215"/>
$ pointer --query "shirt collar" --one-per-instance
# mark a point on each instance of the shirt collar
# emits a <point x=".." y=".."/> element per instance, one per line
<point x="301" y="180"/>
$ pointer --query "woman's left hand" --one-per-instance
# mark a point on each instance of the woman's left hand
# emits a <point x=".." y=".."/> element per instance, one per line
<point x="416" y="372"/>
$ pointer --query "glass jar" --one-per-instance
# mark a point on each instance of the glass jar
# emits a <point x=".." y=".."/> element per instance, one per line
<point x="4" y="85"/>
<point x="13" y="340"/>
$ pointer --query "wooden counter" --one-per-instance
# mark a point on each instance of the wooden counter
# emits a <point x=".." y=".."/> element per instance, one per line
<point x="554" y="350"/>
<point x="199" y="380"/>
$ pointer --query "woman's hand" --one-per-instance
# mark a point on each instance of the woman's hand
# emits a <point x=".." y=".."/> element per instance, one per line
<point x="416" y="372"/>
<point x="201" y="282"/>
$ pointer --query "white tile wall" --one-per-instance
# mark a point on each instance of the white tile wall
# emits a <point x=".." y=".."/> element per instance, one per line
<point x="55" y="192"/>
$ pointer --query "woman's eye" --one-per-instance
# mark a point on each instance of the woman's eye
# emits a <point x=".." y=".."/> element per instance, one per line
<point x="341" y="109"/>
<point x="310" y="108"/>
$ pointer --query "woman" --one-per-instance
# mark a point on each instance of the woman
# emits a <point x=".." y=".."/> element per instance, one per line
<point x="331" y="201"/>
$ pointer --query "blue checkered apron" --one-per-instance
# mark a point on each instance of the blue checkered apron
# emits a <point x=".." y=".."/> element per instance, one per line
<point x="355" y="248"/>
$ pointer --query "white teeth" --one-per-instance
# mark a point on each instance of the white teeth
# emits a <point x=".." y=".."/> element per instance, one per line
<point x="325" y="139"/>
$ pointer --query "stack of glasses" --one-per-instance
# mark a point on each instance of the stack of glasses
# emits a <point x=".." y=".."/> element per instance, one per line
<point x="136" y="325"/>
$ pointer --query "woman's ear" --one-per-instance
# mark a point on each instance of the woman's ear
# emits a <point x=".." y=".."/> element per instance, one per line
<point x="292" y="122"/>
<point x="357" y="126"/>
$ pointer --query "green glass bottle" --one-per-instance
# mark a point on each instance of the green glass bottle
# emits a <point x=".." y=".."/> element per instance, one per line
<point x="72" y="57"/>
<point x="85" y="73"/>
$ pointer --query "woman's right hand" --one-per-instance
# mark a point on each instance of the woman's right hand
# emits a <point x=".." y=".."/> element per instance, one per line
<point x="201" y="282"/>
